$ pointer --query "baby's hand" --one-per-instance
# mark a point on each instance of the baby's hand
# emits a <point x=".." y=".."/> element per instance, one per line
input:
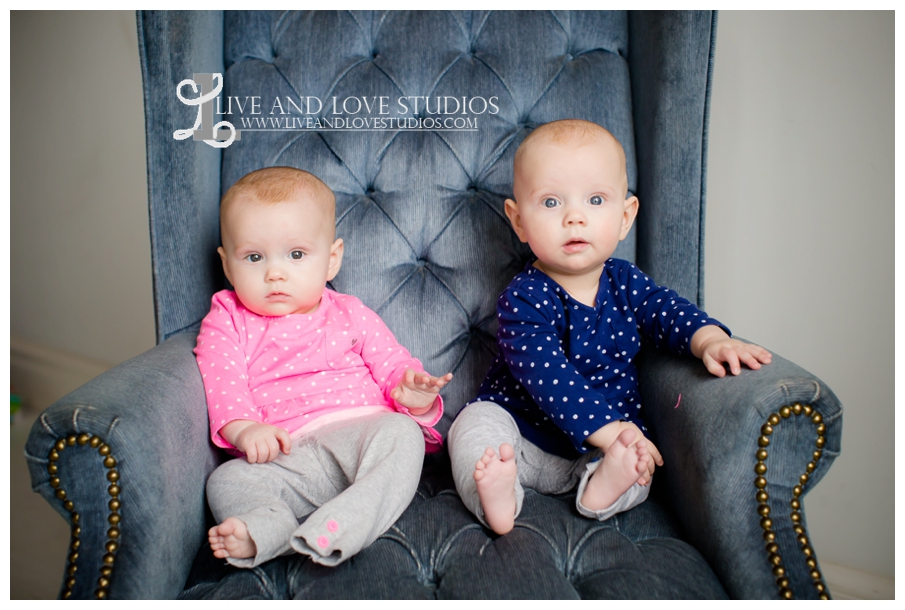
<point x="715" y="348"/>
<point x="260" y="443"/>
<point x="418" y="391"/>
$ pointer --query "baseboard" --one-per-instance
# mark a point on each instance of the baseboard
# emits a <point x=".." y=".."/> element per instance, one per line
<point x="848" y="583"/>
<point x="42" y="375"/>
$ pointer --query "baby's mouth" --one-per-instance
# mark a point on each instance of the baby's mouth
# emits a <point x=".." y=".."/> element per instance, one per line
<point x="575" y="245"/>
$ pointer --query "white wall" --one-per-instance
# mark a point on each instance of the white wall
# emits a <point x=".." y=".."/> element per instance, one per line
<point x="80" y="272"/>
<point x="799" y="231"/>
<point x="800" y="237"/>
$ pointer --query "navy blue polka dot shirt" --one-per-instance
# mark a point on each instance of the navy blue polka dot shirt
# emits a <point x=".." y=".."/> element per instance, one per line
<point x="565" y="369"/>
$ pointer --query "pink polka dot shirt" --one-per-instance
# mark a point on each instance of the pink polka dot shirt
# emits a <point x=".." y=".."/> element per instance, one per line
<point x="288" y="371"/>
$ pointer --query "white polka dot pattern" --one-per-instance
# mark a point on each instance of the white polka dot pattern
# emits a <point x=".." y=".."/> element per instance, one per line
<point x="289" y="370"/>
<point x="565" y="369"/>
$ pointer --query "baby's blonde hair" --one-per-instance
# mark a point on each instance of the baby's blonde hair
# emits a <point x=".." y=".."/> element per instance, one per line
<point x="566" y="131"/>
<point x="277" y="185"/>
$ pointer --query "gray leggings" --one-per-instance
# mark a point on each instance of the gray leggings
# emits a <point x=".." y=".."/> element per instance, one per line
<point x="485" y="424"/>
<point x="351" y="479"/>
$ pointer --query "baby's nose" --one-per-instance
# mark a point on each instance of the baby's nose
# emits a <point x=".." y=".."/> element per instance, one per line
<point x="274" y="273"/>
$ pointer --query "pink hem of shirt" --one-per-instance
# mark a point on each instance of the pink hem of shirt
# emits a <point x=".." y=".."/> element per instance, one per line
<point x="338" y="416"/>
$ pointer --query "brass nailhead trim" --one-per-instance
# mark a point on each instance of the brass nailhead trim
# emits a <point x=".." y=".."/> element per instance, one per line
<point x="114" y="518"/>
<point x="763" y="509"/>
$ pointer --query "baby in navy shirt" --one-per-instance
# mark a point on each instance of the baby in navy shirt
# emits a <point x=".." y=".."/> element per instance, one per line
<point x="560" y="405"/>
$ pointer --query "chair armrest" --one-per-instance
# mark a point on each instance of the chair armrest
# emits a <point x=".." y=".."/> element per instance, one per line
<point x="125" y="459"/>
<point x="740" y="454"/>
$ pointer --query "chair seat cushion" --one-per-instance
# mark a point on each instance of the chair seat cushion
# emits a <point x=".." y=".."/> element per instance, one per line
<point x="438" y="550"/>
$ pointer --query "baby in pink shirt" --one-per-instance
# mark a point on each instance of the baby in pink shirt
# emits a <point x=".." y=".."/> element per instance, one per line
<point x="332" y="415"/>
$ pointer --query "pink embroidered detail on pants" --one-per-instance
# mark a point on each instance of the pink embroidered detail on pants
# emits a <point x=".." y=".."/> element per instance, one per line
<point x="332" y="525"/>
<point x="323" y="542"/>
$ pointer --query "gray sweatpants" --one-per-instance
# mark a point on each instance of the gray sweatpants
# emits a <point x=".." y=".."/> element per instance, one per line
<point x="351" y="479"/>
<point x="485" y="424"/>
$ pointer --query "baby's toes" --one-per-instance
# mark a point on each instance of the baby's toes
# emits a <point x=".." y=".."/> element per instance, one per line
<point x="488" y="456"/>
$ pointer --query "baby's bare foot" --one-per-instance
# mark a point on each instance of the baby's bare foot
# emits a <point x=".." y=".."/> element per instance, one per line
<point x="495" y="478"/>
<point x="621" y="467"/>
<point x="231" y="539"/>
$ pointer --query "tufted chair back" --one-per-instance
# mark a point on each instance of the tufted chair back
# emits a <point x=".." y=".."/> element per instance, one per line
<point x="428" y="245"/>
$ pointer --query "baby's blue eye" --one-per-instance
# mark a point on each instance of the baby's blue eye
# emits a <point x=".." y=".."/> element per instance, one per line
<point x="596" y="200"/>
<point x="550" y="203"/>
<point x="296" y="255"/>
<point x="254" y="258"/>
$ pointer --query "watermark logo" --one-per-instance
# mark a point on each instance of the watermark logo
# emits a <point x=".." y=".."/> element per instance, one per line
<point x="310" y="113"/>
<point x="204" y="129"/>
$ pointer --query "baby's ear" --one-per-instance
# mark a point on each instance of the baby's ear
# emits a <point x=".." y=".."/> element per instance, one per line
<point x="628" y="215"/>
<point x="336" y="259"/>
<point x="515" y="219"/>
<point x="222" y="254"/>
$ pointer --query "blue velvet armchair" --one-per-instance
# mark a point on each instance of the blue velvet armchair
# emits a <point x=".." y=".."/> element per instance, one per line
<point x="125" y="458"/>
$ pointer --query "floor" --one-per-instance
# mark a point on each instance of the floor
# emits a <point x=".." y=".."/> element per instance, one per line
<point x="39" y="541"/>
